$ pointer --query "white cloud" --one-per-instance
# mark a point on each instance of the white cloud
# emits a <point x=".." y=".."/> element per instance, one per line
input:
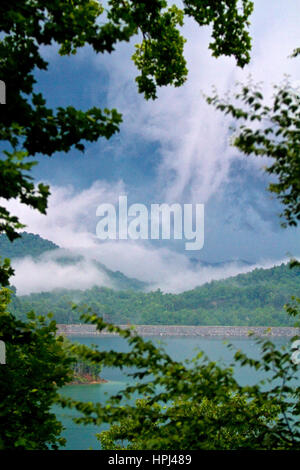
<point x="193" y="136"/>
<point x="71" y="223"/>
<point x="163" y="268"/>
<point x="45" y="275"/>
<point x="71" y="214"/>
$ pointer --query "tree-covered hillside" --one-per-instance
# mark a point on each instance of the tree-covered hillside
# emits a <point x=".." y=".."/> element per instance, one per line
<point x="27" y="245"/>
<point x="253" y="299"/>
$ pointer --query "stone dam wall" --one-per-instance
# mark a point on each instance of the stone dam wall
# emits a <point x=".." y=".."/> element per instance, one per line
<point x="170" y="330"/>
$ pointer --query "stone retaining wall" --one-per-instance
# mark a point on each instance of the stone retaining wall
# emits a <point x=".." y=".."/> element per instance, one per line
<point x="170" y="330"/>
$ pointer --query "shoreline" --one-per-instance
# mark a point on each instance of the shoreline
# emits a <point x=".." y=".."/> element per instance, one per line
<point x="180" y="330"/>
<point x="86" y="379"/>
<point x="92" y="382"/>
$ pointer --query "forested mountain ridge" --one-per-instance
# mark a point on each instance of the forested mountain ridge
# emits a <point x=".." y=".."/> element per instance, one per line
<point x="28" y="244"/>
<point x="252" y="299"/>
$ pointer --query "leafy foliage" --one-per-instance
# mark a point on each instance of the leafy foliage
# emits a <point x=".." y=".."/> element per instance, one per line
<point x="188" y="425"/>
<point x="270" y="131"/>
<point x="6" y="271"/>
<point x="36" y="367"/>
<point x="38" y="364"/>
<point x="195" y="404"/>
<point x="15" y="183"/>
<point x="229" y="19"/>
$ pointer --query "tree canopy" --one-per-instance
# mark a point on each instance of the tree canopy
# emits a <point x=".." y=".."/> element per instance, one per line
<point x="271" y="131"/>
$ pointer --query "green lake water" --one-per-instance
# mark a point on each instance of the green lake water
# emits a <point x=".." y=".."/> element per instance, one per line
<point x="179" y="348"/>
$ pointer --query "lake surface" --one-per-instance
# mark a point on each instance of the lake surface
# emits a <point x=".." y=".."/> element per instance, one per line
<point x="80" y="437"/>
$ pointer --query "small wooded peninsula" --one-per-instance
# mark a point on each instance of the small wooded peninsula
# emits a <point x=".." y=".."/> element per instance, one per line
<point x="86" y="374"/>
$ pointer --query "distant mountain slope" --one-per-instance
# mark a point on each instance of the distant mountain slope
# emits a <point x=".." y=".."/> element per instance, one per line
<point x="35" y="246"/>
<point x="28" y="245"/>
<point x="240" y="262"/>
<point x="253" y="299"/>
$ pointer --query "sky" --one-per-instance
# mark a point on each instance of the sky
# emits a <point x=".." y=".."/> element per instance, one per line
<point x="175" y="149"/>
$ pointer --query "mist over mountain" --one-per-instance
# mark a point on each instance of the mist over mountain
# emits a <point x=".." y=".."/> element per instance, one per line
<point x="253" y="299"/>
<point x="42" y="266"/>
<point x="30" y="251"/>
<point x="49" y="278"/>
